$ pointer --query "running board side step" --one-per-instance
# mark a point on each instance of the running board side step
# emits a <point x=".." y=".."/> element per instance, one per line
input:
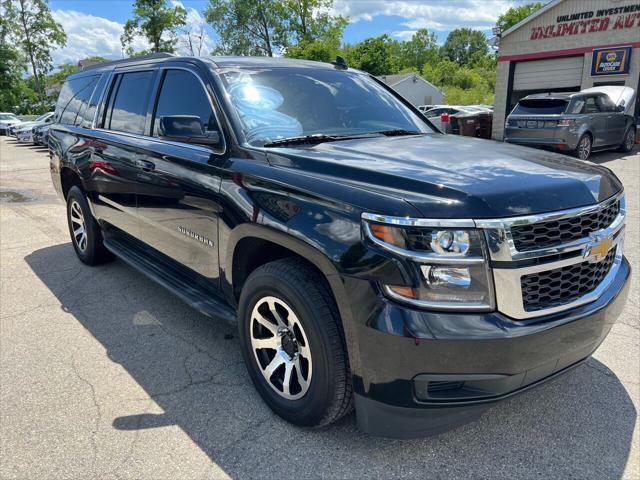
<point x="170" y="275"/>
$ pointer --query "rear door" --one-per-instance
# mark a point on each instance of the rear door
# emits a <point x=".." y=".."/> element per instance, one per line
<point x="118" y="146"/>
<point x="179" y="182"/>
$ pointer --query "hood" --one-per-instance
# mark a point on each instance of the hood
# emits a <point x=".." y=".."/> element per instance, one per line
<point x="621" y="96"/>
<point x="449" y="176"/>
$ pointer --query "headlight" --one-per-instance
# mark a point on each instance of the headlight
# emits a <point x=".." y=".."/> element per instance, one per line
<point x="450" y="264"/>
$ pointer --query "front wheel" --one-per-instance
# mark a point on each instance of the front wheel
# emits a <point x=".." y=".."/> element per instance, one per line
<point x="583" y="150"/>
<point x="629" y="140"/>
<point x="293" y="345"/>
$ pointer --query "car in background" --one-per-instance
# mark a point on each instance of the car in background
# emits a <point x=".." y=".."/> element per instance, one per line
<point x="425" y="108"/>
<point x="44" y="118"/>
<point x="597" y="118"/>
<point x="41" y="134"/>
<point x="6" y="121"/>
<point x="438" y="110"/>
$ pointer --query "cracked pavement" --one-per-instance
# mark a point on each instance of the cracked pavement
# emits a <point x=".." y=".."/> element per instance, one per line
<point x="104" y="374"/>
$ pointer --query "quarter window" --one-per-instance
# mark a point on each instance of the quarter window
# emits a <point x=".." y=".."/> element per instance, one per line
<point x="129" y="106"/>
<point x="73" y="98"/>
<point x="182" y="94"/>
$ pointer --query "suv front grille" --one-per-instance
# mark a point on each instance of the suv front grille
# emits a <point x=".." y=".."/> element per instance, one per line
<point x="563" y="285"/>
<point x="548" y="234"/>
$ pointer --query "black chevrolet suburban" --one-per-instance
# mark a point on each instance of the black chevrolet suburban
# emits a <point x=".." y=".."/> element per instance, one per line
<point x="368" y="260"/>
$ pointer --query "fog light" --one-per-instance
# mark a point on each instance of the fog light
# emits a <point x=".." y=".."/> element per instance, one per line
<point x="445" y="276"/>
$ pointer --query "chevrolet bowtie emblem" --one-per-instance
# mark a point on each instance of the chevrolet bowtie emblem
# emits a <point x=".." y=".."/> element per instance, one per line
<point x="597" y="249"/>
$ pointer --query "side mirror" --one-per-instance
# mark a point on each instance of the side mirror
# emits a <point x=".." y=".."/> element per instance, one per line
<point x="188" y="129"/>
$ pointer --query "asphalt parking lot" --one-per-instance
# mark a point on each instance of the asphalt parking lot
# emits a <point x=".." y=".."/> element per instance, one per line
<point x="103" y="374"/>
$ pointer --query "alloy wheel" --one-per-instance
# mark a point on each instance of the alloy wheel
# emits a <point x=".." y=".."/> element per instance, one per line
<point x="584" y="148"/>
<point x="629" y="140"/>
<point x="280" y="347"/>
<point x="78" y="225"/>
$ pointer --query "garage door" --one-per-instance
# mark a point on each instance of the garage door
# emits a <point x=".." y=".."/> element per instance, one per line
<point x="549" y="73"/>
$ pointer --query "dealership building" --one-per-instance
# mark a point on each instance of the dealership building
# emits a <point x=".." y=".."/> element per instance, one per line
<point x="567" y="46"/>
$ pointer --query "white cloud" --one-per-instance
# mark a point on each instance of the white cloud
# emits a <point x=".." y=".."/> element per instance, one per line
<point x="438" y="15"/>
<point x="89" y="35"/>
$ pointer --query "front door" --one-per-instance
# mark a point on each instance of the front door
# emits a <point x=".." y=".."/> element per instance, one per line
<point x="179" y="183"/>
<point x="616" y="120"/>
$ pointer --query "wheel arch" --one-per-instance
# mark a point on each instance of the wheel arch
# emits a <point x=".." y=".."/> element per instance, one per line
<point x="245" y="236"/>
<point x="69" y="178"/>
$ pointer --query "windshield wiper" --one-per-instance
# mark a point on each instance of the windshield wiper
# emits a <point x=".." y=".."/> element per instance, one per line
<point x="315" y="138"/>
<point x="396" y="132"/>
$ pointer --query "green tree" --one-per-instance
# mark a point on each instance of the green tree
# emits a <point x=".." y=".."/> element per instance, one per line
<point x="462" y="43"/>
<point x="377" y="55"/>
<point x="248" y="27"/>
<point x="157" y="22"/>
<point x="420" y="49"/>
<point x="37" y="34"/>
<point x="11" y="61"/>
<point x="309" y="21"/>
<point x="515" y="14"/>
<point x="322" y="49"/>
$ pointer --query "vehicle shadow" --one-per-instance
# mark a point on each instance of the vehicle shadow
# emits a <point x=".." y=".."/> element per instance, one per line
<point x="578" y="426"/>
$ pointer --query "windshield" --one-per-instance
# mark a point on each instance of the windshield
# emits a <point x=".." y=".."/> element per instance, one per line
<point x="7" y="116"/>
<point x="540" y="107"/>
<point x="278" y="103"/>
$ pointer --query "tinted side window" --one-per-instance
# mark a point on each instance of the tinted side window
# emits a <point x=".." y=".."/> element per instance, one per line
<point x="85" y="116"/>
<point x="590" y="105"/>
<point x="182" y="94"/>
<point x="73" y="97"/>
<point x="129" y="106"/>
<point x="605" y="104"/>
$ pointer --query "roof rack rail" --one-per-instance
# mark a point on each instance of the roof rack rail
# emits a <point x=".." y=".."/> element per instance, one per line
<point x="150" y="56"/>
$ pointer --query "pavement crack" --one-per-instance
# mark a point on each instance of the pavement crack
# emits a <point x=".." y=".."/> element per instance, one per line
<point x="98" y="417"/>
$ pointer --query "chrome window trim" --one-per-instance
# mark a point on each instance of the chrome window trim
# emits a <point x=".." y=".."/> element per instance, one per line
<point x="144" y="136"/>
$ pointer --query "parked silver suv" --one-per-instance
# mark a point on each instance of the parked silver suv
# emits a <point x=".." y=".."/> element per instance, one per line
<point x="593" y="119"/>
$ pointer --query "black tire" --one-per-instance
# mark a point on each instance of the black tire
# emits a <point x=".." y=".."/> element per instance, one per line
<point x="329" y="394"/>
<point x="583" y="149"/>
<point x="628" y="141"/>
<point x="91" y="249"/>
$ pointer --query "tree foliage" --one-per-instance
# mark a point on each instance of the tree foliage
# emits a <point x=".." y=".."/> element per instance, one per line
<point x="462" y="43"/>
<point x="297" y="28"/>
<point x="34" y="30"/>
<point x="247" y="27"/>
<point x="515" y="14"/>
<point x="157" y="22"/>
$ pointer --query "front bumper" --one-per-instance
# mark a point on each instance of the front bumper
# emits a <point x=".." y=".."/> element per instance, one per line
<point x="422" y="372"/>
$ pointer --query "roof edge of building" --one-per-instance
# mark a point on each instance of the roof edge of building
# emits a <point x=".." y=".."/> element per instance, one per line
<point x="534" y="15"/>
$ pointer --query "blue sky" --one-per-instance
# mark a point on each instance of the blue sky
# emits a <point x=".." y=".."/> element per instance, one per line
<point x="93" y="26"/>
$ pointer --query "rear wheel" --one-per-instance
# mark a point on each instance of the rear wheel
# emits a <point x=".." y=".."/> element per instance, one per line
<point x="583" y="150"/>
<point x="293" y="345"/>
<point x="86" y="236"/>
<point x="629" y="140"/>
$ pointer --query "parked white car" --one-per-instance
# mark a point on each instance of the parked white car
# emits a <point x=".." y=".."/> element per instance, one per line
<point x="6" y="121"/>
